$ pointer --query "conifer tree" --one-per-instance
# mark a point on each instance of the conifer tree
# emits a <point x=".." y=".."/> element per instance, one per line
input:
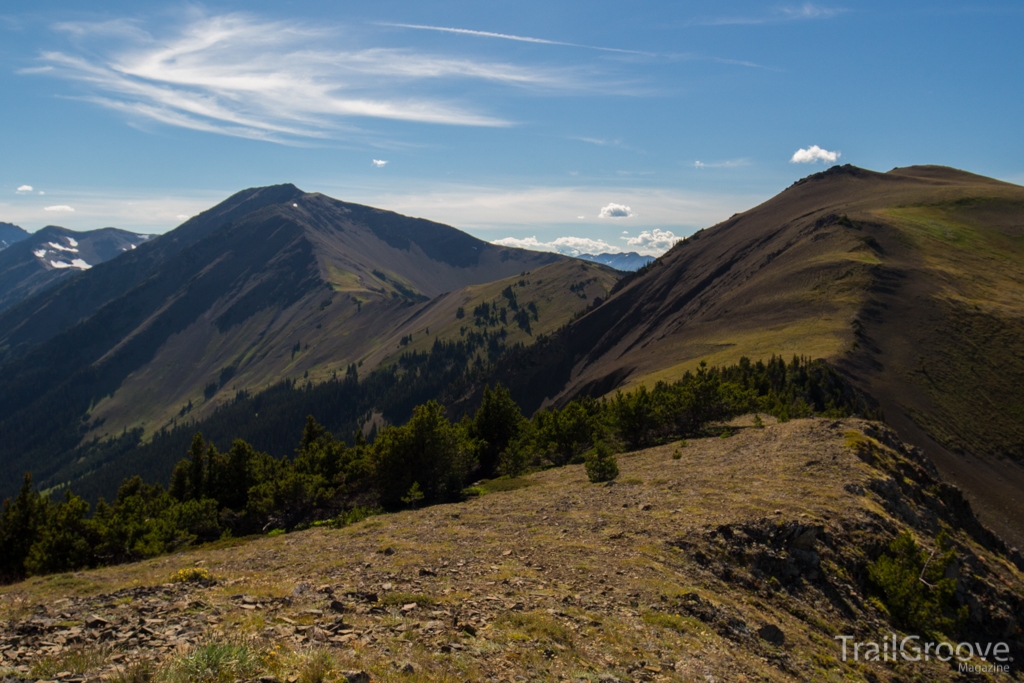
<point x="20" y="521"/>
<point x="495" y="424"/>
<point x="65" y="541"/>
<point x="197" y="468"/>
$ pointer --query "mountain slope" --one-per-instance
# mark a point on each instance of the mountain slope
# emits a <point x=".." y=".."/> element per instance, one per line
<point x="10" y="233"/>
<point x="52" y="254"/>
<point x="37" y="320"/>
<point x="912" y="281"/>
<point x="267" y="286"/>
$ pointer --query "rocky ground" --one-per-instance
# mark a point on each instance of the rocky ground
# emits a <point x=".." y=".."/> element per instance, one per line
<point x="724" y="559"/>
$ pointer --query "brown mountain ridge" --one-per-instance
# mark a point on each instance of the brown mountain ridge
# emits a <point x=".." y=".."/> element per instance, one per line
<point x="911" y="281"/>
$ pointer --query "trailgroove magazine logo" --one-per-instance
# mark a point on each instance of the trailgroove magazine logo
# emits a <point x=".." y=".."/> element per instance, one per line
<point x="970" y="657"/>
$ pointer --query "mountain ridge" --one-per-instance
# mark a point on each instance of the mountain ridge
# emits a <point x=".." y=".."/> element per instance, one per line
<point x="814" y="271"/>
<point x="46" y="257"/>
<point x="11" y="234"/>
<point x="627" y="261"/>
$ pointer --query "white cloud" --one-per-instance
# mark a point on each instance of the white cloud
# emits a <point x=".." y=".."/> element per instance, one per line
<point x="580" y="217"/>
<point x="182" y="217"/>
<point x="380" y="162"/>
<point x="814" y="154"/>
<point x="614" y="210"/>
<point x="59" y="207"/>
<point x="569" y="246"/>
<point x="41" y="192"/>
<point x="728" y="163"/>
<point x="652" y="241"/>
<point x="811" y="11"/>
<point x="23" y="189"/>
<point x="240" y="75"/>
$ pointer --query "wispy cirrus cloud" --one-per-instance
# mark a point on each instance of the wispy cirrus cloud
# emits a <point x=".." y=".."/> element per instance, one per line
<point x="236" y="74"/>
<point x="728" y="163"/>
<point x="802" y="12"/>
<point x="673" y="56"/>
<point x="513" y="37"/>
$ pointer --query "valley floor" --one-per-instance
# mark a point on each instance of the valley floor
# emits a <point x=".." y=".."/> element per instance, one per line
<point x="731" y="562"/>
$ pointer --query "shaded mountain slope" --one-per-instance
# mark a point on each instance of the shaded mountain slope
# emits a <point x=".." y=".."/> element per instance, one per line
<point x="10" y="233"/>
<point x="53" y="254"/>
<point x="38" y="319"/>
<point x="912" y="281"/>
<point x="321" y="334"/>
<point x="414" y="352"/>
<point x="238" y="298"/>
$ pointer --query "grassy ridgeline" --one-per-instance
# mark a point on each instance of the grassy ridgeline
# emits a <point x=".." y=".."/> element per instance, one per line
<point x="428" y="460"/>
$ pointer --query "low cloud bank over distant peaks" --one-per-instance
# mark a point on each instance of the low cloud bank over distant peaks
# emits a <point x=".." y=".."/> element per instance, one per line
<point x="569" y="246"/>
<point x="653" y="241"/>
<point x="648" y="243"/>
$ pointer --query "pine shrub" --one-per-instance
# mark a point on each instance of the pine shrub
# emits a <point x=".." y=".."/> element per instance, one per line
<point x="601" y="464"/>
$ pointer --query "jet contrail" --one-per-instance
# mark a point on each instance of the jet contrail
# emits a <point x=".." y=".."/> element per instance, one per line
<point x="507" y="36"/>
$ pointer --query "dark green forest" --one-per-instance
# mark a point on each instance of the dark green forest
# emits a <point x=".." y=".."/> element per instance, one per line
<point x="234" y="489"/>
<point x="269" y="419"/>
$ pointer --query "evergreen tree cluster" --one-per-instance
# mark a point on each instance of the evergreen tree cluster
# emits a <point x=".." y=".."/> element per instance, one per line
<point x="427" y="460"/>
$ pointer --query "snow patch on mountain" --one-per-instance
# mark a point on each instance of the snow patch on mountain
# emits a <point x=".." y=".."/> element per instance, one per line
<point x="75" y="263"/>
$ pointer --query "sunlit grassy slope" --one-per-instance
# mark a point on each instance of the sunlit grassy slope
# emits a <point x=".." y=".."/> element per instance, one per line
<point x="912" y="281"/>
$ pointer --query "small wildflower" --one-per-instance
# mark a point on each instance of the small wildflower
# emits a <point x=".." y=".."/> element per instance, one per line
<point x="192" y="575"/>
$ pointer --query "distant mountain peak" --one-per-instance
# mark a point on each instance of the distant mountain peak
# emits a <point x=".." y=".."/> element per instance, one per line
<point x="11" y="234"/>
<point x="42" y="259"/>
<point x="628" y="261"/>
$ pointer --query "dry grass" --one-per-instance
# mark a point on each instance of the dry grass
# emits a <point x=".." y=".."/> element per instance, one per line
<point x="562" y="578"/>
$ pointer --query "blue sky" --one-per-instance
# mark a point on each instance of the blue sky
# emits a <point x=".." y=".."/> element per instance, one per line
<point x="569" y="125"/>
